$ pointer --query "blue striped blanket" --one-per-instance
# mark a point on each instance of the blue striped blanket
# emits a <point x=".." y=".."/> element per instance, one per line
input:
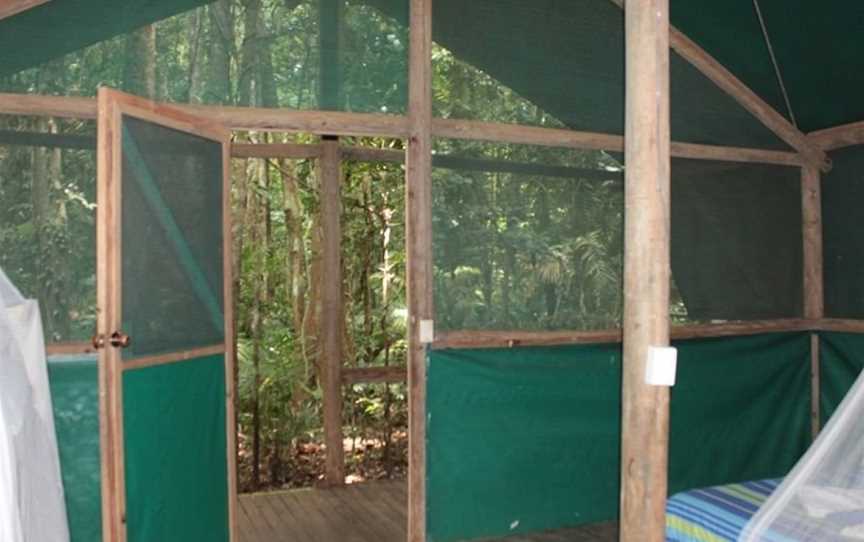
<point x="715" y="514"/>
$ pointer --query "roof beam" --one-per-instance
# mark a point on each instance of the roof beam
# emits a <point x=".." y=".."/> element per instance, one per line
<point x="364" y="124"/>
<point x="845" y="135"/>
<point x="749" y="100"/>
<point x="9" y="8"/>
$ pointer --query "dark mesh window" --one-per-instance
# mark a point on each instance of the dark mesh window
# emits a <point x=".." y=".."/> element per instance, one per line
<point x="531" y="238"/>
<point x="47" y="219"/>
<point x="842" y="197"/>
<point x="736" y="240"/>
<point x="172" y="239"/>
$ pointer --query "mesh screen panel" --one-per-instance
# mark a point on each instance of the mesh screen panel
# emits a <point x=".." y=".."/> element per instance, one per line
<point x="531" y="238"/>
<point x="736" y="240"/>
<point x="842" y="193"/>
<point x="566" y="59"/>
<point x="313" y="54"/>
<point x="47" y="219"/>
<point x="526" y="238"/>
<point x="172" y="293"/>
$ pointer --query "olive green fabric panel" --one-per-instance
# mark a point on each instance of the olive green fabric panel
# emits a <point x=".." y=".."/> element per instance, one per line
<point x="841" y="359"/>
<point x="736" y="240"/>
<point x="175" y="443"/>
<point x="59" y="27"/>
<point x="527" y="439"/>
<point x="75" y="396"/>
<point x="843" y="244"/>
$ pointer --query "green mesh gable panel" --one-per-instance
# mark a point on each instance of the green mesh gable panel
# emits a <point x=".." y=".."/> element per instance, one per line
<point x="736" y="239"/>
<point x="820" y="72"/>
<point x="710" y="25"/>
<point x="316" y="54"/>
<point x="843" y="244"/>
<point x="75" y="395"/>
<point x="176" y="462"/>
<point x="567" y="59"/>
<point x="59" y="27"/>
<point x="841" y="360"/>
<point x="527" y="439"/>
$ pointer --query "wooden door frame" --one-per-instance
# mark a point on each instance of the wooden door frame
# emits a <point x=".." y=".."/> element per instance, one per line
<point x="112" y="106"/>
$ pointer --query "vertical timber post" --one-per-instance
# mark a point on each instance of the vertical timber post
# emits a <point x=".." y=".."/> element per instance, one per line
<point x="814" y="301"/>
<point x="332" y="312"/>
<point x="645" y="409"/>
<point x="418" y="240"/>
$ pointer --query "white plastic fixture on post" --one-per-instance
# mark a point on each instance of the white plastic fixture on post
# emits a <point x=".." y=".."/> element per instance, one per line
<point x="427" y="331"/>
<point x="661" y="366"/>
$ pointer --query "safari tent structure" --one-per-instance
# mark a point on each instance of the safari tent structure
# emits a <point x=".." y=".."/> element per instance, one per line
<point x="738" y="144"/>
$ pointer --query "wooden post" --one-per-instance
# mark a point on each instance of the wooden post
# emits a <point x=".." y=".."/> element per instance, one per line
<point x="418" y="241"/>
<point x="645" y="409"/>
<point x="814" y="302"/>
<point x="332" y="311"/>
<point x="330" y="178"/>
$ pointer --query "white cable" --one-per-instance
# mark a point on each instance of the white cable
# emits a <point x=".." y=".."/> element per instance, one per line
<point x="774" y="62"/>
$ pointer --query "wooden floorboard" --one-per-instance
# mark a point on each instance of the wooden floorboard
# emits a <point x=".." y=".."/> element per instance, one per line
<point x="368" y="512"/>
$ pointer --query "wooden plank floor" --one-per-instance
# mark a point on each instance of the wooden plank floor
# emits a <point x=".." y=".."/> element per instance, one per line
<point x="368" y="512"/>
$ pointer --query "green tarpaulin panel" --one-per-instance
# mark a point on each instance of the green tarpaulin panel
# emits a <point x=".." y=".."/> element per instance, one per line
<point x="75" y="395"/>
<point x="841" y="359"/>
<point x="740" y="409"/>
<point x="842" y="194"/>
<point x="820" y="72"/>
<point x="176" y="459"/>
<point x="527" y="439"/>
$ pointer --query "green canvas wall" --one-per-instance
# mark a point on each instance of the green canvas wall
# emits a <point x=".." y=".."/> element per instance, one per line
<point x="75" y="396"/>
<point x="176" y="461"/>
<point x="841" y="358"/>
<point x="527" y="439"/>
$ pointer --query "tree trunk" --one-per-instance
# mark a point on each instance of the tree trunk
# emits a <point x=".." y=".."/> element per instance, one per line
<point x="139" y="69"/>
<point x="248" y="88"/>
<point x="193" y="88"/>
<point x="217" y="86"/>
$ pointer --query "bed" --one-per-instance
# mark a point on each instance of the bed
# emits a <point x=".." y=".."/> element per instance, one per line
<point x="715" y="514"/>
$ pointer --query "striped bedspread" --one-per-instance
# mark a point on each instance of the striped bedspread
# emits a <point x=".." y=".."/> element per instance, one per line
<point x="715" y="514"/>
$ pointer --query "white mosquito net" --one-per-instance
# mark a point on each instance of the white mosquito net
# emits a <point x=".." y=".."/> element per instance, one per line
<point x="32" y="507"/>
<point x="822" y="498"/>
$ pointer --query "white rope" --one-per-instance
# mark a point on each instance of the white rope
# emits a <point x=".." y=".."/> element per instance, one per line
<point x="774" y="62"/>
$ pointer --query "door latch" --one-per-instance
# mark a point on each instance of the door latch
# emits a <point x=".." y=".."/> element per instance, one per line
<point x="120" y="340"/>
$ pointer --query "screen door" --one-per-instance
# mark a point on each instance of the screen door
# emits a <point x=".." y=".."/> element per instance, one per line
<point x="165" y="337"/>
